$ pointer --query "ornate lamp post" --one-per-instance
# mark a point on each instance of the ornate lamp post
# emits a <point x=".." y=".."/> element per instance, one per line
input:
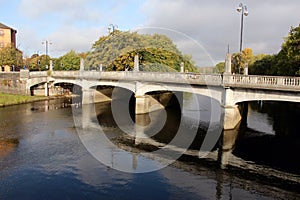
<point x="243" y="9"/>
<point x="47" y="43"/>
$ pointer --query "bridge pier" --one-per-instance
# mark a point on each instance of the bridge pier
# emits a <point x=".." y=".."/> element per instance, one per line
<point x="146" y="104"/>
<point x="232" y="116"/>
<point x="90" y="96"/>
<point x="149" y="103"/>
<point x="233" y="113"/>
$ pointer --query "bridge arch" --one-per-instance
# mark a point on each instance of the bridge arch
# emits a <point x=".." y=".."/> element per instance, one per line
<point x="207" y="91"/>
<point x="36" y="81"/>
<point x="131" y="86"/>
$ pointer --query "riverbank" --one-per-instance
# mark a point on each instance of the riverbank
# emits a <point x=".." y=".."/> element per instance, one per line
<point x="12" y="99"/>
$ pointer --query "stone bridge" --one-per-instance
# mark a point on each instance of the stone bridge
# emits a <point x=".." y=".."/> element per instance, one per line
<point x="152" y="89"/>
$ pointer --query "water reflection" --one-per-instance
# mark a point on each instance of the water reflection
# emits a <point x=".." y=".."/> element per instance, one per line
<point x="275" y="145"/>
<point x="50" y="162"/>
<point x="7" y="146"/>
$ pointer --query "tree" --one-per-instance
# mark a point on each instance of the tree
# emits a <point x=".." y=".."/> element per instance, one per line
<point x="39" y="63"/>
<point x="69" y="61"/>
<point x="236" y="63"/>
<point x="220" y="67"/>
<point x="288" y="59"/>
<point x="239" y="60"/>
<point x="263" y="65"/>
<point x="10" y="56"/>
<point x="247" y="56"/>
<point x="156" y="52"/>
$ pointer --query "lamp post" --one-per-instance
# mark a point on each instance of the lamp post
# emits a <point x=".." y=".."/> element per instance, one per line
<point x="243" y="9"/>
<point x="47" y="43"/>
<point x="111" y="28"/>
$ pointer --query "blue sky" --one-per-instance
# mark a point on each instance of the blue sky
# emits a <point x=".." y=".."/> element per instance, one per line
<point x="202" y="28"/>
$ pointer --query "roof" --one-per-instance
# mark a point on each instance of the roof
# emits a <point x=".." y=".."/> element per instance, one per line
<point x="6" y="27"/>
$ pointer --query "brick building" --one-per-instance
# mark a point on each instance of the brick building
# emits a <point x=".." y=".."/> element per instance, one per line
<point x="7" y="38"/>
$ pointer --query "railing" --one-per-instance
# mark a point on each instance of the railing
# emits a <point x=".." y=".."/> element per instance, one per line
<point x="143" y="76"/>
<point x="251" y="81"/>
<point x="38" y="74"/>
<point x="266" y="82"/>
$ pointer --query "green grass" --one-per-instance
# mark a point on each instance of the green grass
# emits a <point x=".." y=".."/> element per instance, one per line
<point x="11" y="99"/>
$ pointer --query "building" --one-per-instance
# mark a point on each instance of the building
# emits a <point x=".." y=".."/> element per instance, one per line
<point x="7" y="36"/>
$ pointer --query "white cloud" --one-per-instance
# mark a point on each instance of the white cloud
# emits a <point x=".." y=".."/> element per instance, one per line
<point x="215" y="25"/>
<point x="37" y="8"/>
<point x="68" y="38"/>
<point x="212" y="24"/>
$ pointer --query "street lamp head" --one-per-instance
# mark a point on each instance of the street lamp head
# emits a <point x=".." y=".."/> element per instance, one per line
<point x="240" y="7"/>
<point x="246" y="13"/>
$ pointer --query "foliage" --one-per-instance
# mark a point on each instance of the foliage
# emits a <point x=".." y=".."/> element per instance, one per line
<point x="10" y="56"/>
<point x="263" y="65"/>
<point x="39" y="63"/>
<point x="69" y="61"/>
<point x="286" y="62"/>
<point x="156" y="52"/>
<point x="220" y="67"/>
<point x="239" y="60"/>
<point x="288" y="59"/>
<point x="236" y="63"/>
<point x="247" y="56"/>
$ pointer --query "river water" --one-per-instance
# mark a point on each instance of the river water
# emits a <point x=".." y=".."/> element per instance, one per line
<point x="42" y="156"/>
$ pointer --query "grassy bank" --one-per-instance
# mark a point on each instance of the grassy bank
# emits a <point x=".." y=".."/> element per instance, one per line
<point x="11" y="99"/>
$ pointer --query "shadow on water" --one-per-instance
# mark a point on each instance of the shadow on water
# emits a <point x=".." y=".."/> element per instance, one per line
<point x="257" y="152"/>
<point x="279" y="149"/>
<point x="50" y="161"/>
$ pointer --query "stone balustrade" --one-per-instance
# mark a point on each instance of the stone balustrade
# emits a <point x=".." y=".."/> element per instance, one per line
<point x="251" y="81"/>
<point x="265" y="82"/>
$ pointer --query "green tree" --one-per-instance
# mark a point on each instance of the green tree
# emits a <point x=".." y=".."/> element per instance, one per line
<point x="10" y="56"/>
<point x="156" y="52"/>
<point x="220" y="67"/>
<point x="263" y="65"/>
<point x="236" y="63"/>
<point x="69" y="61"/>
<point x="39" y="63"/>
<point x="288" y="59"/>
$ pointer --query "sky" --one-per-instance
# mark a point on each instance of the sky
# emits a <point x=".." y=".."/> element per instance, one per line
<point x="201" y="28"/>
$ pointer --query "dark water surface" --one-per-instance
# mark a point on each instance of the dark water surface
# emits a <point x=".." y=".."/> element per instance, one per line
<point x="42" y="157"/>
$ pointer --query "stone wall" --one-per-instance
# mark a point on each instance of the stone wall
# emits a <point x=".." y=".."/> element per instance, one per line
<point x="10" y="83"/>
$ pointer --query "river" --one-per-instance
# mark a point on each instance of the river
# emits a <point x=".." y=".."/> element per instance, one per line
<point x="43" y="156"/>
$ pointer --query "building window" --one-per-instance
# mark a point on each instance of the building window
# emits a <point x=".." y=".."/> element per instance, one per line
<point x="1" y="32"/>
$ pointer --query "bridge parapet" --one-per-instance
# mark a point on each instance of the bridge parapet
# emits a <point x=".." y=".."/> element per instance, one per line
<point x="185" y="78"/>
<point x="235" y="81"/>
<point x="263" y="82"/>
<point x="38" y="74"/>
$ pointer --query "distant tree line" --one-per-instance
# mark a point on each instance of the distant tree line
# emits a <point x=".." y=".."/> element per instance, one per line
<point x="116" y="51"/>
